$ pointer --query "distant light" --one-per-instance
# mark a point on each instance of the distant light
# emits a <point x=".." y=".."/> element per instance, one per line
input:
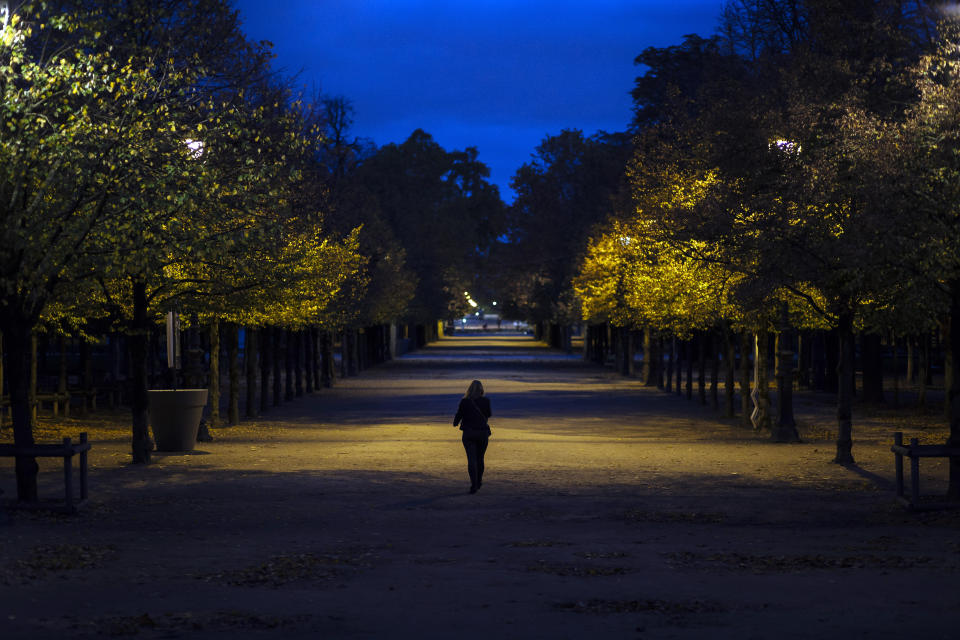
<point x="195" y="146"/>
<point x="472" y="303"/>
<point x="494" y="303"/>
<point x="466" y="294"/>
<point x="787" y="146"/>
<point x="477" y="314"/>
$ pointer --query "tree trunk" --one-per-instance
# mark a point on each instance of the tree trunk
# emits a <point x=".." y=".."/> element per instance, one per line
<point x="871" y="348"/>
<point x="947" y="369"/>
<point x="730" y="377"/>
<point x="62" y="374"/>
<point x="625" y="344"/>
<point x="33" y="381"/>
<point x="786" y="429"/>
<point x="1" y="375"/>
<point x="84" y="373"/>
<point x="193" y="360"/>
<point x="353" y="366"/>
<point x="714" y="372"/>
<point x="924" y="367"/>
<point x="308" y="364"/>
<point x="895" y="359"/>
<point x="214" y="382"/>
<point x="761" y="386"/>
<point x="276" y="352"/>
<point x="317" y="363"/>
<point x="845" y="390"/>
<point x="831" y="354"/>
<point x="670" y="363"/>
<point x="803" y="359"/>
<point x="266" y="361"/>
<point x="139" y="399"/>
<point x="702" y="367"/>
<point x="745" y="395"/>
<point x="647" y="371"/>
<point x="911" y="361"/>
<point x="658" y="366"/>
<point x="289" y="352"/>
<point x="327" y="364"/>
<point x="17" y="332"/>
<point x="679" y="380"/>
<point x="298" y="353"/>
<point x="688" y="354"/>
<point x="233" y="373"/>
<point x="250" y="364"/>
<point x="953" y="392"/>
<point x="818" y="361"/>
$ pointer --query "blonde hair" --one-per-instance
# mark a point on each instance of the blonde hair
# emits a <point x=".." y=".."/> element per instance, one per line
<point x="475" y="390"/>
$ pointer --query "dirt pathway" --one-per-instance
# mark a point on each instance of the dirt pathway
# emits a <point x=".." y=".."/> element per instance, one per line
<point x="608" y="510"/>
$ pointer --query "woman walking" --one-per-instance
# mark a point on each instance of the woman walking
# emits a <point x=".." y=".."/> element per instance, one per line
<point x="472" y="417"/>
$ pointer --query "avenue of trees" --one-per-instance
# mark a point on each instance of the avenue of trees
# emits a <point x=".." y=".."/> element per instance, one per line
<point x="796" y="171"/>
<point x="790" y="181"/>
<point x="151" y="161"/>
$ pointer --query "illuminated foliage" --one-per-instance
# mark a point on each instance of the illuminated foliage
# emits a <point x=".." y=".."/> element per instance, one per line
<point x="146" y="163"/>
<point x="568" y="187"/>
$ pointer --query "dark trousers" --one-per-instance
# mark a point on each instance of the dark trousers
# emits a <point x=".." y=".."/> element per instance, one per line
<point x="475" y="448"/>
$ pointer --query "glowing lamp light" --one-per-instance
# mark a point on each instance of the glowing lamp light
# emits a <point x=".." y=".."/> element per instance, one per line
<point x="787" y="146"/>
<point x="494" y="303"/>
<point x="195" y="147"/>
<point x="472" y="303"/>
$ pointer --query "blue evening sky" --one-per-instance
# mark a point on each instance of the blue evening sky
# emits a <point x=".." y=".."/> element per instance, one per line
<point x="498" y="75"/>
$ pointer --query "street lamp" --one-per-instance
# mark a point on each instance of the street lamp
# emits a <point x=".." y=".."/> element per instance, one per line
<point x="195" y="147"/>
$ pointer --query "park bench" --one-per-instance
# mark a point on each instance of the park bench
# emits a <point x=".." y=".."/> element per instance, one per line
<point x="66" y="450"/>
<point x="915" y="451"/>
<point x="88" y="397"/>
<point x="56" y="401"/>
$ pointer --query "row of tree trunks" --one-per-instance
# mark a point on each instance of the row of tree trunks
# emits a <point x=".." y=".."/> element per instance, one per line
<point x="311" y="367"/>
<point x="679" y="365"/>
<point x="596" y="343"/>
<point x="289" y="363"/>
<point x="361" y="349"/>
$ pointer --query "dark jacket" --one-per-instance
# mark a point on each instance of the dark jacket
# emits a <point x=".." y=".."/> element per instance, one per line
<point x="472" y="416"/>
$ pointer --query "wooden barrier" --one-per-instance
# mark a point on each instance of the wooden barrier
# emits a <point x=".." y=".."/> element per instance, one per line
<point x="66" y="450"/>
<point x="915" y="451"/>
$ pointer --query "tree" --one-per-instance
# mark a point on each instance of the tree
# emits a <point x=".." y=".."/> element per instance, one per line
<point x="569" y="186"/>
<point x="916" y="166"/>
<point x="442" y="211"/>
<point x="766" y="121"/>
<point x="187" y="217"/>
<point x="352" y="204"/>
<point x="73" y="128"/>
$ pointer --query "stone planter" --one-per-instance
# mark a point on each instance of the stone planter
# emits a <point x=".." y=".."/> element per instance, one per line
<point x="175" y="417"/>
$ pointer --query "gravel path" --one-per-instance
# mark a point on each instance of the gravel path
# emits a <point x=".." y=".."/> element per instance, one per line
<point x="608" y="510"/>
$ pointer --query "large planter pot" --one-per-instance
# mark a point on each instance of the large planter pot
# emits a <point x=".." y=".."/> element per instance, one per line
<point x="175" y="417"/>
